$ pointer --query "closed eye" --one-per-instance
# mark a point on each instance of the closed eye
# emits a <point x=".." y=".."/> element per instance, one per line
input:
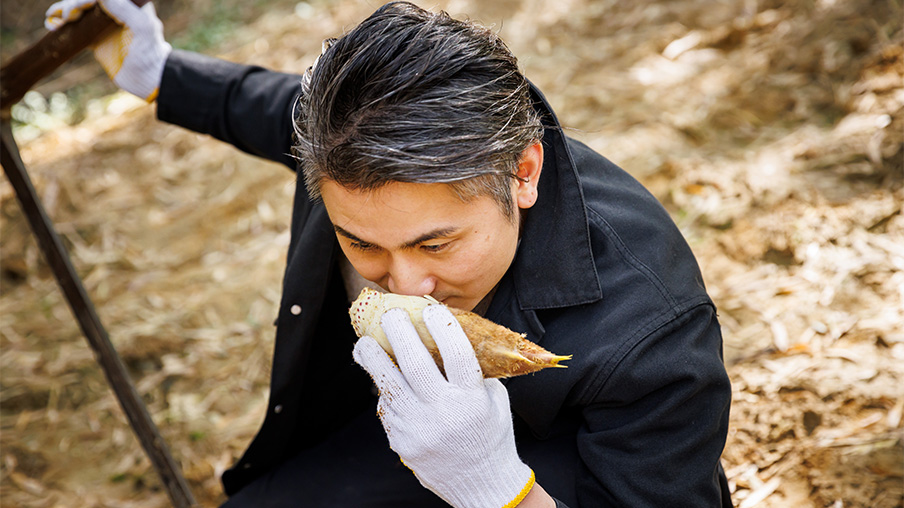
<point x="363" y="246"/>
<point x="435" y="248"/>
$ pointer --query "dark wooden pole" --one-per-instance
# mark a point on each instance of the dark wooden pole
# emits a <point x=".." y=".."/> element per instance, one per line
<point x="16" y="78"/>
<point x="88" y="320"/>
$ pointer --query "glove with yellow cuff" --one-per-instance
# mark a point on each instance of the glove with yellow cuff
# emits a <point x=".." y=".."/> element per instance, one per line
<point x="454" y="432"/>
<point x="135" y="54"/>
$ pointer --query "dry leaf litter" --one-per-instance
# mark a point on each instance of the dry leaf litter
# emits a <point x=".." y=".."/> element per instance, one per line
<point x="772" y="131"/>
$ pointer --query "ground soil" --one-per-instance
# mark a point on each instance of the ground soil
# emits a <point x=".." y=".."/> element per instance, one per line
<point x="771" y="131"/>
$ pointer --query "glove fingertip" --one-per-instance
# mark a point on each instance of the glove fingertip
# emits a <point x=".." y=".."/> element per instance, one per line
<point x="438" y="311"/>
<point x="393" y="317"/>
<point x="439" y="316"/>
<point x="121" y="11"/>
<point x="53" y="12"/>
<point x="364" y="349"/>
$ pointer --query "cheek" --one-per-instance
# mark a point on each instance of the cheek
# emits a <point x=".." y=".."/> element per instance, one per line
<point x="457" y="271"/>
<point x="484" y="261"/>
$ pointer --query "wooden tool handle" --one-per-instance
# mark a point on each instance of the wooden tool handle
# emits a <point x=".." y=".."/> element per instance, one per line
<point x="53" y="50"/>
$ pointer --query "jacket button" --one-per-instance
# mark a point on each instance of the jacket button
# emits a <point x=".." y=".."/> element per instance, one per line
<point x="246" y="466"/>
<point x="295" y="310"/>
<point x="277" y="409"/>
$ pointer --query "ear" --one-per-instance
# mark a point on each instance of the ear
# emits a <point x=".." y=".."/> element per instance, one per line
<point x="529" y="167"/>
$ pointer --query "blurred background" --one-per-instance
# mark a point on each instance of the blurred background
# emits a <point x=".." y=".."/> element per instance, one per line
<point x="773" y="132"/>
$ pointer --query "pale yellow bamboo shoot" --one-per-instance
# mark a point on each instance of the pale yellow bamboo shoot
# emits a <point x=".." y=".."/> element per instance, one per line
<point x="500" y="351"/>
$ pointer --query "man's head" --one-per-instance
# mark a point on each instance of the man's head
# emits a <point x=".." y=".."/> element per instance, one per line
<point x="414" y="96"/>
<point x="418" y="132"/>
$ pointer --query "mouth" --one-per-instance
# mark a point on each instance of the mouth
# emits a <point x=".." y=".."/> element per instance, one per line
<point x="443" y="299"/>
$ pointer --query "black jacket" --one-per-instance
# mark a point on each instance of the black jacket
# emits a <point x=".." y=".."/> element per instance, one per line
<point x="640" y="416"/>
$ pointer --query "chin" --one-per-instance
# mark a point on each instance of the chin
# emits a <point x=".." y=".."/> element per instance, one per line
<point x="452" y="301"/>
<point x="462" y="303"/>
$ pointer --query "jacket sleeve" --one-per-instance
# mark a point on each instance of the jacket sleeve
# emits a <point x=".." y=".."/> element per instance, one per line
<point x="247" y="106"/>
<point x="655" y="432"/>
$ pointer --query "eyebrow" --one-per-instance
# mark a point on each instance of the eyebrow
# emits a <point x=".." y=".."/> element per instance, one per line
<point x="426" y="237"/>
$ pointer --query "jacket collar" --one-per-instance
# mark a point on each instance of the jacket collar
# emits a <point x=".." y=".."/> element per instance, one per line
<point x="554" y="266"/>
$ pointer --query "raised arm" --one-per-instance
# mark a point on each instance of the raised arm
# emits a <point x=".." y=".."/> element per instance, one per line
<point x="246" y="106"/>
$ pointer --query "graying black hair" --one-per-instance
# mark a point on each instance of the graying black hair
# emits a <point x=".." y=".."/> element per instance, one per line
<point x="414" y="96"/>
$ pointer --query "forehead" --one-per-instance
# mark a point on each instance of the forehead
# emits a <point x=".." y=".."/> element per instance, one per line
<point x="396" y="211"/>
<point x="400" y="197"/>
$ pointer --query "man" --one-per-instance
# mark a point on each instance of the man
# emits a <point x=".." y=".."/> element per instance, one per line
<point x="429" y="165"/>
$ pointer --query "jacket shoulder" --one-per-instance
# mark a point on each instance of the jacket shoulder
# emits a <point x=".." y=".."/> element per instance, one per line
<point x="631" y="232"/>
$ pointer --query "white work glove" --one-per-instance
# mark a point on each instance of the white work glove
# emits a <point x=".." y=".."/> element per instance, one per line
<point x="456" y="433"/>
<point x="134" y="55"/>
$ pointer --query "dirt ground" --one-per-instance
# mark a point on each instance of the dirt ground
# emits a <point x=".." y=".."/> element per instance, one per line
<point x="772" y="131"/>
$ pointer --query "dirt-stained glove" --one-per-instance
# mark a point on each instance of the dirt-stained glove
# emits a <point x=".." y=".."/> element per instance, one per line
<point x="134" y="55"/>
<point x="454" y="432"/>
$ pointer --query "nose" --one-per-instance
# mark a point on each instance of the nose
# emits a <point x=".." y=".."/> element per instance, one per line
<point x="407" y="278"/>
